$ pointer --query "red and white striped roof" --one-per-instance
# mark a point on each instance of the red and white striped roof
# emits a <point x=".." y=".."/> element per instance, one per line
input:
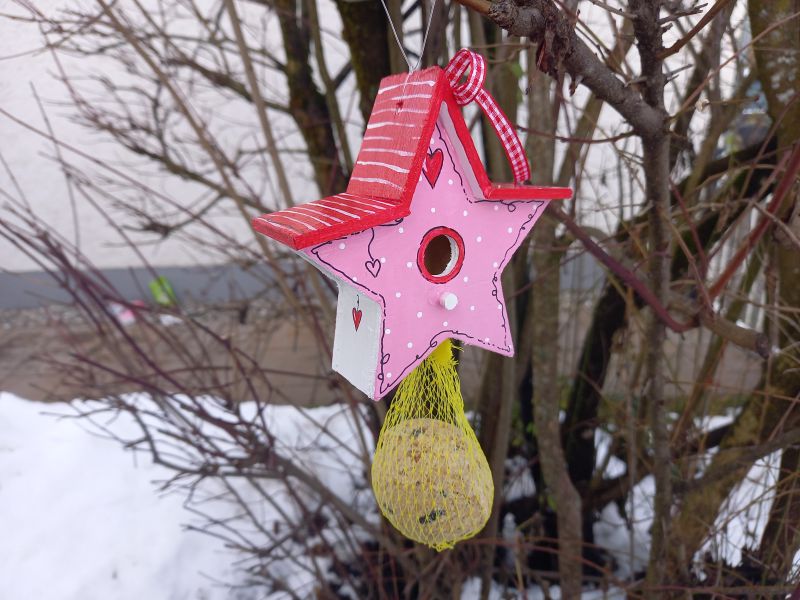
<point x="389" y="165"/>
<point x="397" y="135"/>
<point x="327" y="219"/>
<point x="386" y="170"/>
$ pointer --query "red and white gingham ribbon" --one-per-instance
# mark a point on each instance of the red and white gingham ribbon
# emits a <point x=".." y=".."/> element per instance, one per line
<point x="473" y="89"/>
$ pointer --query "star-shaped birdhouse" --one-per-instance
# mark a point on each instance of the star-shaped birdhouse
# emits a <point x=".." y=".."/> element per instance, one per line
<point x="418" y="242"/>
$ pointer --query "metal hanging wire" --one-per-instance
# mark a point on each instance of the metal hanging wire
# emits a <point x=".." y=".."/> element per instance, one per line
<point x="424" y="37"/>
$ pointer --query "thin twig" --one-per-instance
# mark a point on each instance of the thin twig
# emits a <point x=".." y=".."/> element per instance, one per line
<point x="707" y="18"/>
<point x="261" y="109"/>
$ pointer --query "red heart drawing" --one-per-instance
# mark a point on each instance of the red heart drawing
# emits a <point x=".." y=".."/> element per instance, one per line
<point x="433" y="166"/>
<point x="357" y="318"/>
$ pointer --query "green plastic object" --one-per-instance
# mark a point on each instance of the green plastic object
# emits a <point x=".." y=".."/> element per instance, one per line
<point x="162" y="291"/>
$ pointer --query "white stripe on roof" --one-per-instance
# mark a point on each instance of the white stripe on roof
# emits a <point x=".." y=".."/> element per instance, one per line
<point x="319" y="212"/>
<point x="416" y="111"/>
<point x="389" y="150"/>
<point x="283" y="215"/>
<point x="397" y="85"/>
<point x="276" y="224"/>
<point x="298" y="210"/>
<point x="373" y="163"/>
<point x="386" y="204"/>
<point x="390" y="124"/>
<point x="359" y="202"/>
<point x="344" y="212"/>
<point x="378" y="180"/>
<point x="407" y="97"/>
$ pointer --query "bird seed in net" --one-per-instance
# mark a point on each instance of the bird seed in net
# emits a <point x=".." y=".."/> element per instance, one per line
<point x="430" y="476"/>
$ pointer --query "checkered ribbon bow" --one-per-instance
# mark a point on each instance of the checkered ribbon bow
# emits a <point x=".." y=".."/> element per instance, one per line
<point x="473" y="89"/>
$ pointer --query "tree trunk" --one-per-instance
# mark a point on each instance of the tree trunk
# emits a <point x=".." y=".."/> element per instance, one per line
<point x="368" y="35"/>
<point x="648" y="30"/>
<point x="497" y="398"/>
<point x="307" y="104"/>
<point x="540" y="331"/>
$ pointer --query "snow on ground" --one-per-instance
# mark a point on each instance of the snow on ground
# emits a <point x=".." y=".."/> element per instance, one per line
<point x="472" y="591"/>
<point x="76" y="507"/>
<point x="741" y="523"/>
<point x="81" y="519"/>
<point x="629" y="544"/>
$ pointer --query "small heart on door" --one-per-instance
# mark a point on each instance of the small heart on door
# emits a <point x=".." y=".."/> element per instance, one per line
<point x="433" y="166"/>
<point x="357" y="317"/>
<point x="373" y="266"/>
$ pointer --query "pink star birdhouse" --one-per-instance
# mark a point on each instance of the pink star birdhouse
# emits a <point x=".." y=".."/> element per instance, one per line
<point x="418" y="242"/>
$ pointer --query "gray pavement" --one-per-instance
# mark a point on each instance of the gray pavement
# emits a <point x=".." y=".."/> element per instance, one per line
<point x="216" y="284"/>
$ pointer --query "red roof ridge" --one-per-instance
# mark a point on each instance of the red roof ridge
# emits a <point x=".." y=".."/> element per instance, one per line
<point x="392" y="152"/>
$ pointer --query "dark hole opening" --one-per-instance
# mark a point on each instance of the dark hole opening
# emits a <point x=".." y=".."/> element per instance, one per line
<point x="438" y="255"/>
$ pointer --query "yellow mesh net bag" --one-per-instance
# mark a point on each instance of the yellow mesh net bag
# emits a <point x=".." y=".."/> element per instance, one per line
<point x="430" y="476"/>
